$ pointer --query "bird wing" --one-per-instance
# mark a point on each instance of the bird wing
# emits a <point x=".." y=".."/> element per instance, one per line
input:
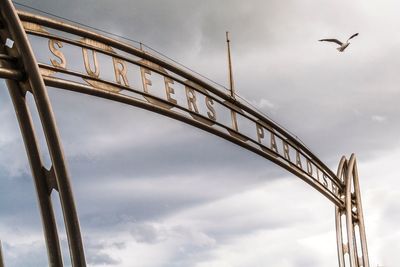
<point x="354" y="35"/>
<point x="331" y="40"/>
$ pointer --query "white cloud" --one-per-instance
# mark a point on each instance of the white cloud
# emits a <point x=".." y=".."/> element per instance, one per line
<point x="265" y="105"/>
<point x="13" y="159"/>
<point x="378" y="118"/>
<point x="381" y="207"/>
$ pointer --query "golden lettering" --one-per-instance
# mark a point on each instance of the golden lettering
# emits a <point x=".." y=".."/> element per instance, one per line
<point x="325" y="181"/>
<point x="169" y="90"/>
<point x="191" y="99"/>
<point x="211" y="113"/>
<point x="335" y="189"/>
<point x="273" y="143"/>
<point x="309" y="168"/>
<point x="298" y="160"/>
<point x="57" y="53"/>
<point x="286" y="150"/>
<point x="145" y="80"/>
<point x="260" y="132"/>
<point x="86" y="61"/>
<point x="120" y="70"/>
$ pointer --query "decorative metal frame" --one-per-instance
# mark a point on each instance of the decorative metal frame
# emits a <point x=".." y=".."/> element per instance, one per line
<point x="24" y="75"/>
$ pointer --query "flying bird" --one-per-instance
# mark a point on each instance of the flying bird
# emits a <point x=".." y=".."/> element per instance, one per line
<point x="342" y="46"/>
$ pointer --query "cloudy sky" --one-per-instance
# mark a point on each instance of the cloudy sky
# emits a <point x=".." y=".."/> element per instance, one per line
<point x="155" y="192"/>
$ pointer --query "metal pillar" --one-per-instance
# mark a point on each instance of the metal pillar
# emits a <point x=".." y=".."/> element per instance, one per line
<point x="34" y="83"/>
<point x="351" y="238"/>
<point x="40" y="174"/>
<point x="1" y="256"/>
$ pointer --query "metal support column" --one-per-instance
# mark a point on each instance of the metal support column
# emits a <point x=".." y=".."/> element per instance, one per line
<point x="43" y="189"/>
<point x="351" y="253"/>
<point x="38" y="89"/>
<point x="1" y="256"/>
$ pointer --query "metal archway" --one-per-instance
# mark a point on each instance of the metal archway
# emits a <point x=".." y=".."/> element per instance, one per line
<point x="203" y="106"/>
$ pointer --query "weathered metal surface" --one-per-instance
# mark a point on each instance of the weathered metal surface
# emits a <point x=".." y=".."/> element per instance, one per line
<point x="1" y="256"/>
<point x="231" y="83"/>
<point x="136" y="73"/>
<point x="51" y="23"/>
<point x="202" y="100"/>
<point x="350" y="252"/>
<point x="13" y="74"/>
<point x="18" y="97"/>
<point x="38" y="173"/>
<point x="36" y="85"/>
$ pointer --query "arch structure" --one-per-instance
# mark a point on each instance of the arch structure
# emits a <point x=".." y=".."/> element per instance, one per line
<point x="48" y="54"/>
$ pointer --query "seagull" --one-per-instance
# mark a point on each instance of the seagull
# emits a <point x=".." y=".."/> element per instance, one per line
<point x="342" y="46"/>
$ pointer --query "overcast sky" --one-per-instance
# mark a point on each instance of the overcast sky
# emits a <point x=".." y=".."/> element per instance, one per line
<point x="155" y="192"/>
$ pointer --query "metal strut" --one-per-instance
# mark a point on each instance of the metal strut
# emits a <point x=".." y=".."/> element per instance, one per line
<point x="33" y="82"/>
<point x="350" y="233"/>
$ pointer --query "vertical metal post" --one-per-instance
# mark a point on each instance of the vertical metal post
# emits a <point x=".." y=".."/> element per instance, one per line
<point x="46" y="115"/>
<point x="349" y="217"/>
<point x="352" y="209"/>
<point x="360" y="216"/>
<point x="38" y="172"/>
<point x="1" y="256"/>
<point x="338" y="216"/>
<point x="231" y="84"/>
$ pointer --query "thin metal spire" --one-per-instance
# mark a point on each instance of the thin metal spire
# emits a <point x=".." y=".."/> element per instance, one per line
<point x="231" y="84"/>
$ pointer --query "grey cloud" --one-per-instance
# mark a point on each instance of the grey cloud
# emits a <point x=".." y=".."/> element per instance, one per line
<point x="26" y="254"/>
<point x="97" y="254"/>
<point x="329" y="100"/>
<point x="146" y="233"/>
<point x="102" y="259"/>
<point x="310" y="74"/>
<point x="13" y="159"/>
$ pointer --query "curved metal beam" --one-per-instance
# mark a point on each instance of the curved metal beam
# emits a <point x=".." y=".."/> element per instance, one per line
<point x="38" y="172"/>
<point x="62" y="26"/>
<point x="349" y="216"/>
<point x="226" y="104"/>
<point x="360" y="216"/>
<point x="37" y="87"/>
<point x="354" y="218"/>
<point x="342" y="168"/>
<point x="77" y="87"/>
<point x="347" y="199"/>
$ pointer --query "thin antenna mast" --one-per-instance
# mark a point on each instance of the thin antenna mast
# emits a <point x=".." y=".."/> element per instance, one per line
<point x="231" y="85"/>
